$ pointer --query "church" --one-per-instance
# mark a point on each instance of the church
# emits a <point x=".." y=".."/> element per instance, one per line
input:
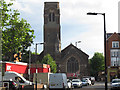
<point x="70" y="60"/>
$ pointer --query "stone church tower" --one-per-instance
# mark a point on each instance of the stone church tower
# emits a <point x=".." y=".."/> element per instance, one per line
<point x="52" y="30"/>
<point x="70" y="60"/>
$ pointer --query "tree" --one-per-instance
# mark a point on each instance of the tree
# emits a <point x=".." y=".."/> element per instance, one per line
<point x="4" y="16"/>
<point x="16" y="33"/>
<point x="96" y="64"/>
<point x="47" y="59"/>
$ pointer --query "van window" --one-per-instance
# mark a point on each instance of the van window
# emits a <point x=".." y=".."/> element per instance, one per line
<point x="19" y="79"/>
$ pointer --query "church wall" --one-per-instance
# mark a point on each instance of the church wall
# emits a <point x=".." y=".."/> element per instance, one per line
<point x="82" y="60"/>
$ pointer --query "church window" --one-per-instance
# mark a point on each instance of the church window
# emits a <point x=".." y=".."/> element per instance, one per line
<point x="72" y="65"/>
<point x="52" y="17"/>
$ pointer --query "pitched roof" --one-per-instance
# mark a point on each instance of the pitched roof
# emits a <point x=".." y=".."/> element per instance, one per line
<point x="109" y="35"/>
<point x="71" y="45"/>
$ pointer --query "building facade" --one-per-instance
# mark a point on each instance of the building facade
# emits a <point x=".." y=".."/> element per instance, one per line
<point x="113" y="55"/>
<point x="74" y="62"/>
<point x="71" y="60"/>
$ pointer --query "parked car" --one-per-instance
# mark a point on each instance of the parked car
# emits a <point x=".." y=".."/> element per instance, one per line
<point x="115" y="84"/>
<point x="84" y="83"/>
<point x="76" y="83"/>
<point x="58" y="81"/>
<point x="92" y="80"/>
<point x="69" y="83"/>
<point x="87" y="80"/>
<point x="11" y="85"/>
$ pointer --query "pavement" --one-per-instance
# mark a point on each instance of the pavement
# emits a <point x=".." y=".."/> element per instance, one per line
<point x="102" y="84"/>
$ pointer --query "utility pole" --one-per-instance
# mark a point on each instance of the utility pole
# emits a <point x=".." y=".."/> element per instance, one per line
<point x="36" y="66"/>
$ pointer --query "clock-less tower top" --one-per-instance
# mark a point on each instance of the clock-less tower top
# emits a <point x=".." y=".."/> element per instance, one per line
<point x="52" y="39"/>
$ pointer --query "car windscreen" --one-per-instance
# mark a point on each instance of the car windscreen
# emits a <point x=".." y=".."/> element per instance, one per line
<point x="75" y="81"/>
<point x="116" y="81"/>
<point x="83" y="80"/>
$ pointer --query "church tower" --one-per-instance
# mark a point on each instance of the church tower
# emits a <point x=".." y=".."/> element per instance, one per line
<point x="52" y="39"/>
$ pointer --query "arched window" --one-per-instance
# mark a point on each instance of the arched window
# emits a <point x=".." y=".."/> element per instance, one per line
<point x="51" y="17"/>
<point x="72" y="65"/>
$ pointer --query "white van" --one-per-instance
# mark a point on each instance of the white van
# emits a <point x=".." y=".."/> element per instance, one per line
<point x="14" y="76"/>
<point x="58" y="81"/>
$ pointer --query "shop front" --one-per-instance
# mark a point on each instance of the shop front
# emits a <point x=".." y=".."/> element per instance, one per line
<point x="112" y="73"/>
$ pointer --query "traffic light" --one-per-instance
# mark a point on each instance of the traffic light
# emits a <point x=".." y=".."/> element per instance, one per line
<point x="17" y="57"/>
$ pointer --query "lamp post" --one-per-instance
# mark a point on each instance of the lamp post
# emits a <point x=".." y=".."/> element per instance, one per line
<point x="36" y="64"/>
<point x="104" y="45"/>
<point x="29" y="63"/>
<point x="77" y="42"/>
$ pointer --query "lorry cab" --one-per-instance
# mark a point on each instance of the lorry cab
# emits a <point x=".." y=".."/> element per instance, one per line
<point x="58" y="81"/>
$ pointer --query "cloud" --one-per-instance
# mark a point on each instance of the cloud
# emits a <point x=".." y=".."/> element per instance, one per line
<point x="91" y="38"/>
<point x="75" y="24"/>
<point x="74" y="12"/>
<point x="26" y="6"/>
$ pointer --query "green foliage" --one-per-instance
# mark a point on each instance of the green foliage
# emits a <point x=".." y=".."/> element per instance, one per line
<point x="16" y="33"/>
<point x="4" y="16"/>
<point x="96" y="63"/>
<point x="33" y="53"/>
<point x="47" y="59"/>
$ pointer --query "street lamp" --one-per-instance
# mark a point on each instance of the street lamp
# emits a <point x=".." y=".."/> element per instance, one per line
<point x="77" y="42"/>
<point x="104" y="45"/>
<point x="29" y="63"/>
<point x="36" y="63"/>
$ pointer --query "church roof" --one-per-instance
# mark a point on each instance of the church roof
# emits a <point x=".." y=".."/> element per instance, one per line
<point x="63" y="52"/>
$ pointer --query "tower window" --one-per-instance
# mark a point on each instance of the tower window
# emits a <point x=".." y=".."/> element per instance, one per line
<point x="51" y="17"/>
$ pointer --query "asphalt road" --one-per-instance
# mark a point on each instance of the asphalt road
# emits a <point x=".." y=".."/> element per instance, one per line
<point x="96" y="86"/>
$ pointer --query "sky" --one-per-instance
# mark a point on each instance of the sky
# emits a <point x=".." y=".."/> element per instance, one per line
<point x="76" y="25"/>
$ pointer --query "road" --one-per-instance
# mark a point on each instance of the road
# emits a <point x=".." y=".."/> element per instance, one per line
<point x="96" y="86"/>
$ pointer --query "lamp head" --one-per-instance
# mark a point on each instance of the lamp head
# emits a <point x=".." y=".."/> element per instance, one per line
<point x="89" y="13"/>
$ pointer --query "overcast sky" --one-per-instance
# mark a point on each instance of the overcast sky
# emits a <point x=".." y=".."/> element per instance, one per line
<point x="76" y="25"/>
